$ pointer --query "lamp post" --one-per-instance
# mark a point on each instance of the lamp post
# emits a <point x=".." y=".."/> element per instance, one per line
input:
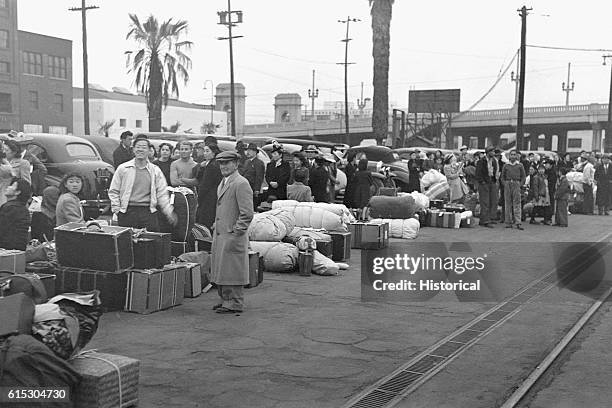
<point x="212" y="98"/>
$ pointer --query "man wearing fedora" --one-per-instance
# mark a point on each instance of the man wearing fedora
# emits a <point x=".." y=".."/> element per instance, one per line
<point x="254" y="170"/>
<point x="230" y="246"/>
<point x="278" y="173"/>
<point x="487" y="177"/>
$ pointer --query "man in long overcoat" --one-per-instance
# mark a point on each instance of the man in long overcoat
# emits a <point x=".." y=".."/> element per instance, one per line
<point x="230" y="246"/>
<point x="603" y="178"/>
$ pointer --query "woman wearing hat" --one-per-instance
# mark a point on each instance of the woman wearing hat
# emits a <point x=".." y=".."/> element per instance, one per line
<point x="278" y="173"/>
<point x="209" y="176"/>
<point x="452" y="171"/>
<point x="414" y="173"/>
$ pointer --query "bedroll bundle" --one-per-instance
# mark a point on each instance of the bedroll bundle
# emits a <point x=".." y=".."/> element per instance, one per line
<point x="392" y="207"/>
<point x="331" y="217"/>
<point x="407" y="228"/>
<point x="277" y="256"/>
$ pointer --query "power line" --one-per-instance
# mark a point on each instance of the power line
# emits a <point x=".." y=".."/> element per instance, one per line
<point x="570" y="49"/>
<point x="291" y="58"/>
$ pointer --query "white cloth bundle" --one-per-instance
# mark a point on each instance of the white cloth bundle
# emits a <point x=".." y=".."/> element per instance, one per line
<point x="401" y="228"/>
<point x="331" y="217"/>
<point x="575" y="179"/>
<point x="430" y="178"/>
<point x="277" y="256"/>
<point x="266" y="227"/>
<point x="322" y="265"/>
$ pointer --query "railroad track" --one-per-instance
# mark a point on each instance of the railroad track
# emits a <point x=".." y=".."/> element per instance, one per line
<point x="398" y="385"/>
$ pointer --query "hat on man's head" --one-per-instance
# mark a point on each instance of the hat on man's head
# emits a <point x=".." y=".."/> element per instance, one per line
<point x="277" y="148"/>
<point x="227" y="156"/>
<point x="240" y="145"/>
<point x="464" y="147"/>
<point x="489" y="149"/>
<point x="252" y="146"/>
<point x="311" y="149"/>
<point x="210" y="140"/>
<point x="497" y="150"/>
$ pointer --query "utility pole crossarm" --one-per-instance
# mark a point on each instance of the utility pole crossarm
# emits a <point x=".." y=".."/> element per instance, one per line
<point x="83" y="9"/>
<point x="346" y="41"/>
<point x="521" y="96"/>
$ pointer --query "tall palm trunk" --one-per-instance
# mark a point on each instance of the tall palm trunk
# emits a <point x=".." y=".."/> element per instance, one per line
<point x="155" y="98"/>
<point x="381" y="39"/>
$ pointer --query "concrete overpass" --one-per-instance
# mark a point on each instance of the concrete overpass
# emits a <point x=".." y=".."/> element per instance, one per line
<point x="547" y="126"/>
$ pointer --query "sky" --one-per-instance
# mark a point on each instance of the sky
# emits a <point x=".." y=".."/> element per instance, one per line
<point x="440" y="44"/>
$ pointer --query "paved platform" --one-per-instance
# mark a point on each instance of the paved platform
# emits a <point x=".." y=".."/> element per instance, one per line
<point x="311" y="341"/>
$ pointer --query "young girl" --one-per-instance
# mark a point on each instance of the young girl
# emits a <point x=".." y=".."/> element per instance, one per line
<point x="69" y="204"/>
<point x="538" y="191"/>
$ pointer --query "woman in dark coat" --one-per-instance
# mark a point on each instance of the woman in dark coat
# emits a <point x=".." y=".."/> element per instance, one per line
<point x="277" y="174"/>
<point x="350" y="170"/>
<point x="362" y="185"/>
<point x="414" y="170"/>
<point x="209" y="176"/>
<point x="165" y="160"/>
<point x="14" y="215"/>
<point x="318" y="181"/>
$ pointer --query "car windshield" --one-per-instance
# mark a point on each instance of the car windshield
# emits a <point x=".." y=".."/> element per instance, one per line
<point x="81" y="151"/>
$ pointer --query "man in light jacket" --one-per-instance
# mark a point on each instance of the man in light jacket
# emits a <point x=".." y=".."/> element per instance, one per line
<point x="230" y="246"/>
<point x="588" y="178"/>
<point x="137" y="189"/>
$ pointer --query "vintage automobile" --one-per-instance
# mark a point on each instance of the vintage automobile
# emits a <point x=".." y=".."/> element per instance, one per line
<point x="63" y="154"/>
<point x="105" y="146"/>
<point x="382" y="156"/>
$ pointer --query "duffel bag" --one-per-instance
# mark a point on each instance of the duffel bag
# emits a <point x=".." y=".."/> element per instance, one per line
<point x="392" y="207"/>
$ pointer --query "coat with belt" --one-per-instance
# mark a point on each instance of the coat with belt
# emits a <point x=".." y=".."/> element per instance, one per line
<point x="230" y="246"/>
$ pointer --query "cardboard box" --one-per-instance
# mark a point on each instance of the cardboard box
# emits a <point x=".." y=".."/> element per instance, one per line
<point x="151" y="290"/>
<point x="341" y="245"/>
<point x="369" y="235"/>
<point x="106" y="380"/>
<point x="193" y="279"/>
<point x="256" y="268"/>
<point x="16" y="314"/>
<point x="12" y="260"/>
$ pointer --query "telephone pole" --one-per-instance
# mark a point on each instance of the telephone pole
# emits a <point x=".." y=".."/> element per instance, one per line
<point x="521" y="96"/>
<point x="83" y="9"/>
<point x="225" y="18"/>
<point x="609" y="127"/>
<point x="313" y="94"/>
<point x="346" y="64"/>
<point x="567" y="89"/>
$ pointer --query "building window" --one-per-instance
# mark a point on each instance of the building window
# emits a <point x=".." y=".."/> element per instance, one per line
<point x="138" y="123"/>
<point x="122" y="122"/>
<point x="4" y="39"/>
<point x="57" y="67"/>
<point x="33" y="99"/>
<point x="473" y="144"/>
<point x="5" y="103"/>
<point x="58" y="130"/>
<point x="5" y="67"/>
<point x="58" y="102"/>
<point x="574" y="143"/>
<point x="32" y="128"/>
<point x="32" y="63"/>
<point x="3" y="3"/>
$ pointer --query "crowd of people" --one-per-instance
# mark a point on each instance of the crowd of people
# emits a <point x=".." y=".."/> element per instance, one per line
<point x="524" y="185"/>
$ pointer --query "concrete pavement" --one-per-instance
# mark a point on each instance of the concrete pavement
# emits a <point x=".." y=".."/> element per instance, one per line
<point x="312" y="342"/>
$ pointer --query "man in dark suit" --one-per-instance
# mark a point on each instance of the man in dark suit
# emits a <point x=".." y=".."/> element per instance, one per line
<point x="254" y="170"/>
<point x="486" y="175"/>
<point x="230" y="246"/>
<point x="123" y="152"/>
<point x="603" y="178"/>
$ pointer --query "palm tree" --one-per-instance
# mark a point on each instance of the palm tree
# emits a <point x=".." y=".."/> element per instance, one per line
<point x="158" y="61"/>
<point x="381" y="39"/>
<point x="104" y="128"/>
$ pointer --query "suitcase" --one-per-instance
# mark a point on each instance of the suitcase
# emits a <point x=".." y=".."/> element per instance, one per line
<point x="369" y="235"/>
<point x="151" y="290"/>
<point x="203" y="259"/>
<point x="12" y="260"/>
<point x="161" y="251"/>
<point x="193" y="279"/>
<point x="185" y="205"/>
<point x="256" y="268"/>
<point x="341" y="245"/>
<point x="144" y="253"/>
<point x="106" y="249"/>
<point x="112" y="285"/>
<point x="16" y="314"/>
<point x="458" y="208"/>
<point x="439" y="204"/>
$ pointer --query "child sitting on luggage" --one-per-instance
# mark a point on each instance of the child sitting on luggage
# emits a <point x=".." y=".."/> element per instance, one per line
<point x="561" y="197"/>
<point x="69" y="207"/>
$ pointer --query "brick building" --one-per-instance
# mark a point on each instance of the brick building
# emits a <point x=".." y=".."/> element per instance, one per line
<point x="35" y="78"/>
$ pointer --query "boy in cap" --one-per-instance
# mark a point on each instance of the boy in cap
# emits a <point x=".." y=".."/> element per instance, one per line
<point x="513" y="176"/>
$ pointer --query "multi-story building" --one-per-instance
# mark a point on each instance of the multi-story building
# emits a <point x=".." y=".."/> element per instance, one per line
<point x="35" y="78"/>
